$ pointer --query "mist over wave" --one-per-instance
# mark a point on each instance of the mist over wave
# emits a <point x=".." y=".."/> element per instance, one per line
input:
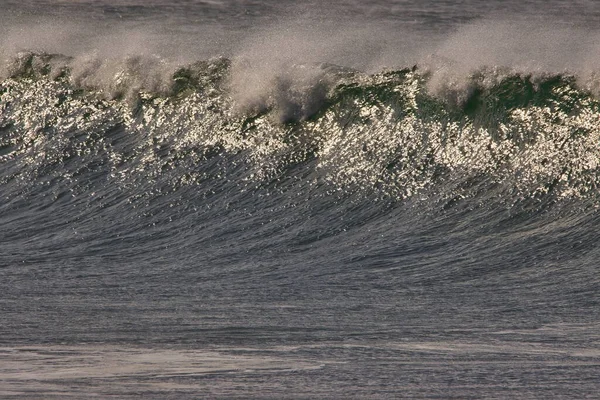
<point x="98" y="50"/>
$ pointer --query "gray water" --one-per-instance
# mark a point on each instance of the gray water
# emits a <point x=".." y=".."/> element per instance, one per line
<point x="263" y="199"/>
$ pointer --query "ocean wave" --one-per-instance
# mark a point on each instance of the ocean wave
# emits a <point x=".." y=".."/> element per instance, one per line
<point x="499" y="136"/>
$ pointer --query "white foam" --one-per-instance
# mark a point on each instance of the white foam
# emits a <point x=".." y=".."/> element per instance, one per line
<point x="77" y="370"/>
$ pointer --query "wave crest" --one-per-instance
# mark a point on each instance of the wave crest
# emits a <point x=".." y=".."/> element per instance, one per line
<point x="523" y="137"/>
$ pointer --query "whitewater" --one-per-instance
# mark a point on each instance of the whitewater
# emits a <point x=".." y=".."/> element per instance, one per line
<point x="272" y="199"/>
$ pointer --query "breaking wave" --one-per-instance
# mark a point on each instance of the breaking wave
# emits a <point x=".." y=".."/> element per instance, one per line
<point x="497" y="135"/>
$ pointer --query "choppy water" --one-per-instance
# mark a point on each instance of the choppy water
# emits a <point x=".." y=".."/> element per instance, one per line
<point x="265" y="200"/>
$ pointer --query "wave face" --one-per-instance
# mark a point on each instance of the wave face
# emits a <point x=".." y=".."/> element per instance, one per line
<point x="318" y="213"/>
<point x="206" y="167"/>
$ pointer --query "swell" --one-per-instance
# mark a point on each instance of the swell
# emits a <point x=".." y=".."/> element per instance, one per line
<point x="325" y="179"/>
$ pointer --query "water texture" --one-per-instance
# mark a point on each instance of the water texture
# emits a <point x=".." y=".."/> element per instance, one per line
<point x="256" y="199"/>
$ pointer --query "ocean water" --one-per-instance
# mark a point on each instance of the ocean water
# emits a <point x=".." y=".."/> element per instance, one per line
<point x="303" y="200"/>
